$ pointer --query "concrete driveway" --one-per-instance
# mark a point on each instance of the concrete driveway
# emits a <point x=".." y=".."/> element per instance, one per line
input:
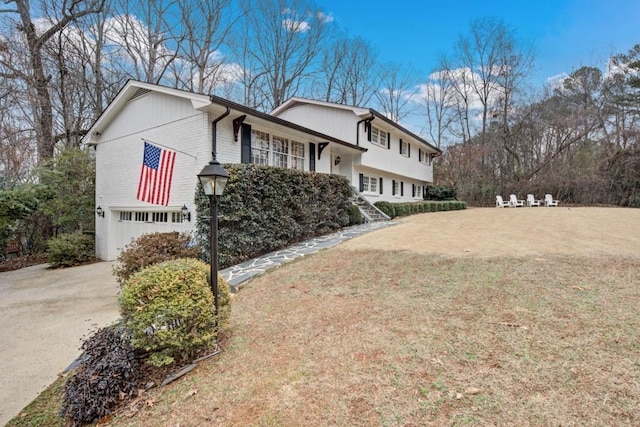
<point x="44" y="316"/>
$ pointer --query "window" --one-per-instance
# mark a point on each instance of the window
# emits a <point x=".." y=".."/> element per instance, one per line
<point x="126" y="216"/>
<point x="159" y="216"/>
<point x="417" y="192"/>
<point x="273" y="150"/>
<point x="425" y="158"/>
<point x="396" y="188"/>
<point x="176" y="217"/>
<point x="280" y="152"/>
<point x="259" y="148"/>
<point x="404" y="148"/>
<point x="369" y="184"/>
<point x="142" y="216"/>
<point x="378" y="137"/>
<point x="297" y="155"/>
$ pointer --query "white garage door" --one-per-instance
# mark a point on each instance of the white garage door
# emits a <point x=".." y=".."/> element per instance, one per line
<point x="132" y="224"/>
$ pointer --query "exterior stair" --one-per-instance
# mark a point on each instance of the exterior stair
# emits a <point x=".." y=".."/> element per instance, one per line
<point x="370" y="213"/>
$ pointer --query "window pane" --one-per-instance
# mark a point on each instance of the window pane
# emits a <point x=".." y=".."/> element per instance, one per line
<point x="297" y="155"/>
<point x="280" y="152"/>
<point x="259" y="148"/>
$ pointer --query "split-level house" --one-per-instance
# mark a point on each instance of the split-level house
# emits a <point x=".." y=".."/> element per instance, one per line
<point x="152" y="141"/>
<point x="397" y="164"/>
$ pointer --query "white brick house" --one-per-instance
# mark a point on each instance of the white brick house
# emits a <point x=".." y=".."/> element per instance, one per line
<point x="397" y="165"/>
<point x="192" y="126"/>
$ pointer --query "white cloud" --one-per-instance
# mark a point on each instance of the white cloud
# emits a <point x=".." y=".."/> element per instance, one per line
<point x="557" y="80"/>
<point x="295" y="26"/>
<point x="324" y="18"/>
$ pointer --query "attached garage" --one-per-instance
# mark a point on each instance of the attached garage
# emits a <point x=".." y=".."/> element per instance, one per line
<point x="131" y="224"/>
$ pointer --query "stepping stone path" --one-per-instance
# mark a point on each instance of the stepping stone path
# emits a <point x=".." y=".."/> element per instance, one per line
<point x="239" y="274"/>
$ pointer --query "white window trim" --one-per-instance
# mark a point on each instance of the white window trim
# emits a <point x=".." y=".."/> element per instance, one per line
<point x="376" y="139"/>
<point x="404" y="148"/>
<point x="271" y="154"/>
<point x="366" y="182"/>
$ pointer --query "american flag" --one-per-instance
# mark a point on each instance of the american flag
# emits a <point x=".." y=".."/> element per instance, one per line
<point x="155" y="176"/>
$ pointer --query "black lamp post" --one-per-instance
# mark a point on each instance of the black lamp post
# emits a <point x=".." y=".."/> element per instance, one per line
<point x="213" y="179"/>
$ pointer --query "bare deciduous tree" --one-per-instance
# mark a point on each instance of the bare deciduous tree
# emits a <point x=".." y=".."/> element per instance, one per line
<point x="59" y="14"/>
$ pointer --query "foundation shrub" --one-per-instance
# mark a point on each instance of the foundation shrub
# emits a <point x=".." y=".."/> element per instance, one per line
<point x="441" y="192"/>
<point x="150" y="249"/>
<point x="108" y="375"/>
<point x="265" y="208"/>
<point x="70" y="249"/>
<point x="355" y="216"/>
<point x="387" y="208"/>
<point x="169" y="309"/>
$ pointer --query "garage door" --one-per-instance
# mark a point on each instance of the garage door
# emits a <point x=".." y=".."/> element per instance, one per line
<point x="133" y="224"/>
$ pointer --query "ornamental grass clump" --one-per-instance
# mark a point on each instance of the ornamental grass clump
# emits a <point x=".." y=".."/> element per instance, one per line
<point x="150" y="249"/>
<point x="169" y="309"/>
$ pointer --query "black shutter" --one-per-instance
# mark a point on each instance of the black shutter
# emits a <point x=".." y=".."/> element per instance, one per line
<point x="393" y="187"/>
<point x="408" y="149"/>
<point x="388" y="141"/>
<point x="401" y="188"/>
<point x="245" y="144"/>
<point x="413" y="190"/>
<point x="368" y="126"/>
<point x="361" y="183"/>
<point x="312" y="157"/>
<point x="400" y="145"/>
<point x="419" y="154"/>
<point x="380" y="185"/>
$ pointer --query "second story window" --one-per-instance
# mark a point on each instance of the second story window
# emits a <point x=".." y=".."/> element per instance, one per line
<point x="378" y="137"/>
<point x="404" y="148"/>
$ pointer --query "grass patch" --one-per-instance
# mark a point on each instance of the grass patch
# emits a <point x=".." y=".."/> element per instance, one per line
<point x="397" y="338"/>
<point x="43" y="411"/>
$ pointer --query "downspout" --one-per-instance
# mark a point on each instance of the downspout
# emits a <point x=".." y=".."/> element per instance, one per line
<point x="214" y="131"/>
<point x="366" y="119"/>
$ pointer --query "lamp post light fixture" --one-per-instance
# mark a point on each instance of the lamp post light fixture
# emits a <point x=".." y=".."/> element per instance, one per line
<point x="213" y="179"/>
<point x="186" y="215"/>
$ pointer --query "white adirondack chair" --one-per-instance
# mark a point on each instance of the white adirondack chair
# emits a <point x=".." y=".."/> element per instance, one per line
<point x="501" y="203"/>
<point x="548" y="200"/>
<point x="531" y="201"/>
<point x="514" y="202"/>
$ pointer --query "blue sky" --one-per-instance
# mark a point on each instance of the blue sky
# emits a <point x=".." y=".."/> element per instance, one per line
<point x="566" y="34"/>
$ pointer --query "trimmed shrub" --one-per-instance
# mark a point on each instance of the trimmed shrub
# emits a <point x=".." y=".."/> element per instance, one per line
<point x="71" y="249"/>
<point x="441" y="192"/>
<point x="387" y="208"/>
<point x="150" y="249"/>
<point x="108" y="374"/>
<point x="265" y="208"/>
<point x="169" y="309"/>
<point x="355" y="216"/>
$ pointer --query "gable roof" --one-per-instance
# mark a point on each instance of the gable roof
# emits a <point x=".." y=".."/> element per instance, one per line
<point x="133" y="89"/>
<point x="358" y="111"/>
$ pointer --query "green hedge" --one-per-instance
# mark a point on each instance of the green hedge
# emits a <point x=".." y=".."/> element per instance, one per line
<point x="440" y="193"/>
<point x="71" y="249"/>
<point x="264" y="209"/>
<point x="410" y="208"/>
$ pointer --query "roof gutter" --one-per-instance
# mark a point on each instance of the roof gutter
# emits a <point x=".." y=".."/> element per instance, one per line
<point x="214" y="130"/>
<point x="366" y="119"/>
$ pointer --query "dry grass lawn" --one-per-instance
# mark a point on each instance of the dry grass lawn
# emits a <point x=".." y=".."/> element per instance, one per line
<point x="477" y="317"/>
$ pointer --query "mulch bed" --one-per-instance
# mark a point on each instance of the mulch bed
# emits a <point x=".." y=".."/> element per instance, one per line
<point x="22" y="262"/>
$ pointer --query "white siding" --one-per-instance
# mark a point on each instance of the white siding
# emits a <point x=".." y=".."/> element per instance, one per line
<point x="158" y="118"/>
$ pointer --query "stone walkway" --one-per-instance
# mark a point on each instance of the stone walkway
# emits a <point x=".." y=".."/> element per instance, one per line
<point x="239" y="274"/>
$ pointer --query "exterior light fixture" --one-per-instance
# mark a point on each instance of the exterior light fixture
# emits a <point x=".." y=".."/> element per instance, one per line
<point x="99" y="211"/>
<point x="337" y="161"/>
<point x="186" y="215"/>
<point x="214" y="178"/>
